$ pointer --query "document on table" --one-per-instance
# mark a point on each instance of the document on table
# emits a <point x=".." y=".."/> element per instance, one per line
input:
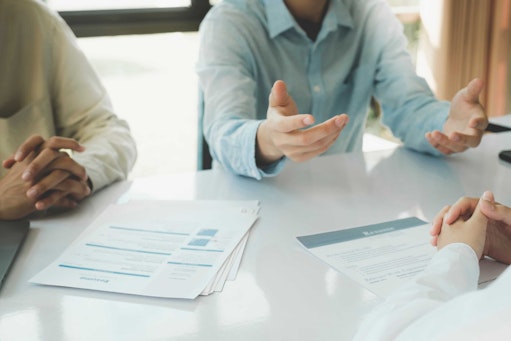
<point x="171" y="249"/>
<point x="381" y="256"/>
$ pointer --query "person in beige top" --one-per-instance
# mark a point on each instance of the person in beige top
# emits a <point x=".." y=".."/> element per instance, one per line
<point x="59" y="138"/>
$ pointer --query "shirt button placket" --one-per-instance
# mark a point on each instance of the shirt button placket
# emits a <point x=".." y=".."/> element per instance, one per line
<point x="315" y="78"/>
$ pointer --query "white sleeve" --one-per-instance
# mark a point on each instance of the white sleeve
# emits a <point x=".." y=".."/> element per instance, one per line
<point x="452" y="271"/>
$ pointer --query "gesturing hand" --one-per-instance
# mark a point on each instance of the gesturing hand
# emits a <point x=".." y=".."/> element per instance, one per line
<point x="55" y="179"/>
<point x="284" y="131"/>
<point x="465" y="124"/>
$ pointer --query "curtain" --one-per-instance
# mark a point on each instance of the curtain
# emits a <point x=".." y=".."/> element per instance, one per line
<point x="464" y="39"/>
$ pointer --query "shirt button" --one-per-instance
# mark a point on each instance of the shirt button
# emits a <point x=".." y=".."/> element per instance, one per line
<point x="317" y="89"/>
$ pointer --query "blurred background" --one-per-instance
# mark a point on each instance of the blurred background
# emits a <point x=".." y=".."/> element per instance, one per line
<point x="145" y="52"/>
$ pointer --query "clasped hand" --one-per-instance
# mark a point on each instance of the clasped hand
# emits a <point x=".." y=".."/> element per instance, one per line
<point x="483" y="224"/>
<point x="40" y="176"/>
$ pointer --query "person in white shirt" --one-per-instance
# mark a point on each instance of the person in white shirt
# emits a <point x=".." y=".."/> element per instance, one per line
<point x="443" y="303"/>
<point x="52" y="100"/>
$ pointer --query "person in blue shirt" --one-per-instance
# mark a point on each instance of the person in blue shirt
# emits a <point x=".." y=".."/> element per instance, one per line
<point x="293" y="79"/>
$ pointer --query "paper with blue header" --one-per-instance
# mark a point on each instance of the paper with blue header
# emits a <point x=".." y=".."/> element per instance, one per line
<point x="381" y="256"/>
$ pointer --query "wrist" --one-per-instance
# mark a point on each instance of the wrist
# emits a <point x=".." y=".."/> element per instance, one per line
<point x="10" y="212"/>
<point x="266" y="151"/>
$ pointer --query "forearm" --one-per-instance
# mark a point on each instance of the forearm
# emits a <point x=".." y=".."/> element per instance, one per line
<point x="415" y="118"/>
<point x="410" y="108"/>
<point x="109" y="154"/>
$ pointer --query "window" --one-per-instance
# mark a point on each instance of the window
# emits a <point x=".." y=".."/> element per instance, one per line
<point x="91" y="5"/>
<point x="114" y="17"/>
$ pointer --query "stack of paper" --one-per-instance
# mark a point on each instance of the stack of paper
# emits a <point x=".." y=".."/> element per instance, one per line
<point x="173" y="249"/>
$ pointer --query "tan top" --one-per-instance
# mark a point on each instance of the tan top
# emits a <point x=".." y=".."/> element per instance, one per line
<point x="47" y="87"/>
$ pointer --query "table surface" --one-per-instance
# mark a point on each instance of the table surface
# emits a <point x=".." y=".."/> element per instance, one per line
<point x="281" y="292"/>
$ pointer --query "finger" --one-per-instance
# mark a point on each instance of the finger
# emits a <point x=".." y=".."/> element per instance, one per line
<point x="478" y="216"/>
<point x="304" y="153"/>
<point x="64" y="194"/>
<point x="467" y="140"/>
<point x="445" y="145"/>
<point x="8" y="163"/>
<point x="480" y="123"/>
<point x="69" y="165"/>
<point x="433" y="141"/>
<point x="436" y="227"/>
<point x="323" y="144"/>
<point x="434" y="240"/>
<point x="312" y="135"/>
<point x="30" y="145"/>
<point x="76" y="189"/>
<point x="287" y="124"/>
<point x="58" y="142"/>
<point x="472" y="91"/>
<point x="282" y="107"/>
<point x="45" y="157"/>
<point x="445" y="142"/>
<point x="49" y="200"/>
<point x="47" y="183"/>
<point x="464" y="206"/>
<point x="66" y="202"/>
<point x="278" y="95"/>
<point x="494" y="210"/>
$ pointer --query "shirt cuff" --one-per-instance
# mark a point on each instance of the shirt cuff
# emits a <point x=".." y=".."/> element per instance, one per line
<point x="459" y="263"/>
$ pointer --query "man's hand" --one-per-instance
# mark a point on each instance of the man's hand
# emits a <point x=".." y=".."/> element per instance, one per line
<point x="46" y="149"/>
<point x="55" y="179"/>
<point x="284" y="131"/>
<point x="57" y="186"/>
<point x="498" y="229"/>
<point x="465" y="124"/>
<point x="14" y="203"/>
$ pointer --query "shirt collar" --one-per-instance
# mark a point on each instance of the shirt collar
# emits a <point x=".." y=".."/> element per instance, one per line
<point x="280" y="19"/>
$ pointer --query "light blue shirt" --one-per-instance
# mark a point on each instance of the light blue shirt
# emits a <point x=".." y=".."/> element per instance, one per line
<point x="360" y="52"/>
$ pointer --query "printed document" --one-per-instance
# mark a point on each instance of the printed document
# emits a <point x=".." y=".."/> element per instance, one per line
<point x="381" y="256"/>
<point x="172" y="249"/>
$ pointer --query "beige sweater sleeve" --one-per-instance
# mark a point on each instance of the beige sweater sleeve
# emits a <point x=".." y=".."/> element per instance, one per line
<point x="82" y="110"/>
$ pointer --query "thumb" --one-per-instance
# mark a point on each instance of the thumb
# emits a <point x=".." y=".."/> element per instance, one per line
<point x="494" y="210"/>
<point x="478" y="217"/>
<point x="279" y="96"/>
<point x="472" y="91"/>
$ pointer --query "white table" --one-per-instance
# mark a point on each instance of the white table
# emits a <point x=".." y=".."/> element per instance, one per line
<point x="504" y="120"/>
<point x="281" y="292"/>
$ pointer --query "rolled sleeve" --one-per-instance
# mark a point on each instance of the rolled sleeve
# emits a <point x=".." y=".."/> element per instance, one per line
<point x="410" y="109"/>
<point x="227" y="82"/>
